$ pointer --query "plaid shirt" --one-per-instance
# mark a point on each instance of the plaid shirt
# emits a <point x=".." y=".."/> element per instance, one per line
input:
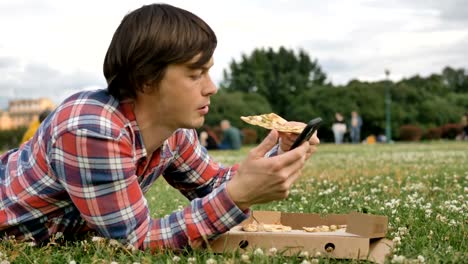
<point x="87" y="168"/>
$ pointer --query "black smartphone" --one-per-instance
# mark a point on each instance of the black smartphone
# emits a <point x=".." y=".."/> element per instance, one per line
<point x="308" y="131"/>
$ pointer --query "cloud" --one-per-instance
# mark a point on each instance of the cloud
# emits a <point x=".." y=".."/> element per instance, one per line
<point x="57" y="47"/>
<point x="39" y="80"/>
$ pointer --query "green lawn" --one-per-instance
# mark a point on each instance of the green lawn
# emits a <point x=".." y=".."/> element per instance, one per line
<point x="422" y="188"/>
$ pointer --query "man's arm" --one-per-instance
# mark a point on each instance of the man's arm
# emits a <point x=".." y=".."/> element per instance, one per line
<point x="98" y="172"/>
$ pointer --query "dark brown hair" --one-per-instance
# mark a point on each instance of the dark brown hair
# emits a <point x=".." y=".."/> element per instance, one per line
<point x="148" y="40"/>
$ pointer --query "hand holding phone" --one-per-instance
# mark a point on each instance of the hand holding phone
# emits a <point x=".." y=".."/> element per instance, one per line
<point x="308" y="131"/>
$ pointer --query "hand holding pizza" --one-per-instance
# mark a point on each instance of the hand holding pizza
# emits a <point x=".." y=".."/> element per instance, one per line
<point x="288" y="138"/>
<point x="261" y="179"/>
<point x="289" y="130"/>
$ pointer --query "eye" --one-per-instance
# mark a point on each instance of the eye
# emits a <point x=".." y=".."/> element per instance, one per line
<point x="196" y="76"/>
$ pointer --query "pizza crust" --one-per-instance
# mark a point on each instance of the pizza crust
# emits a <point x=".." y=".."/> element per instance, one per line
<point x="324" y="228"/>
<point x="273" y="121"/>
<point x="259" y="227"/>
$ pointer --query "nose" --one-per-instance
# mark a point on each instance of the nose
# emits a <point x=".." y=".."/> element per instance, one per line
<point x="209" y="88"/>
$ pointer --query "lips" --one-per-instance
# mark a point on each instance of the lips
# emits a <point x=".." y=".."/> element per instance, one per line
<point x="204" y="109"/>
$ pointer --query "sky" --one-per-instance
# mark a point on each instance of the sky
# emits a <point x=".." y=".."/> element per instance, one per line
<point x="54" y="48"/>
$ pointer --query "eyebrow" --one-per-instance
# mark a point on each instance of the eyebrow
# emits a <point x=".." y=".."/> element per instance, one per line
<point x="203" y="67"/>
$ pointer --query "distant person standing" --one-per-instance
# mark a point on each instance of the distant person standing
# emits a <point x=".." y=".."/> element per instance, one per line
<point x="356" y="123"/>
<point x="232" y="138"/>
<point x="339" y="128"/>
<point x="465" y="126"/>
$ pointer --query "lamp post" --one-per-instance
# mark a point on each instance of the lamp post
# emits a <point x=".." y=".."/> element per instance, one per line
<point x="388" y="103"/>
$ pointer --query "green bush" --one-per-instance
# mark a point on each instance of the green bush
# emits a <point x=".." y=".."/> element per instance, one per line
<point x="10" y="139"/>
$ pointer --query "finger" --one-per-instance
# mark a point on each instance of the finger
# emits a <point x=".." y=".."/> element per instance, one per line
<point x="314" y="140"/>
<point x="293" y="169"/>
<point x="294" y="177"/>
<point x="290" y="157"/>
<point x="312" y="149"/>
<point x="267" y="144"/>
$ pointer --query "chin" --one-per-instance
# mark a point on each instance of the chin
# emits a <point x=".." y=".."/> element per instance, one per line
<point x="196" y="123"/>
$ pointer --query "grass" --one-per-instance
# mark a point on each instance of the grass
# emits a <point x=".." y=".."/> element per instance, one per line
<point x="422" y="188"/>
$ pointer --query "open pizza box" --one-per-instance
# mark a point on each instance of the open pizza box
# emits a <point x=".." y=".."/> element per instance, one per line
<point x="363" y="237"/>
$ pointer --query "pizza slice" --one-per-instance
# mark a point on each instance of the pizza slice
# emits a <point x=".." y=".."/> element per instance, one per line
<point x="324" y="228"/>
<point x="259" y="227"/>
<point x="273" y="121"/>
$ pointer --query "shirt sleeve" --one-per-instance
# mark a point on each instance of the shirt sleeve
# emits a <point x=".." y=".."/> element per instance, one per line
<point x="98" y="172"/>
<point x="203" y="181"/>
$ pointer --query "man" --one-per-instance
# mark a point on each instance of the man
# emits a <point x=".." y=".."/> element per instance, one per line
<point x="93" y="158"/>
<point x="356" y="123"/>
<point x="232" y="138"/>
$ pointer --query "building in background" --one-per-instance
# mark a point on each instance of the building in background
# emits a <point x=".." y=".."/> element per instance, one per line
<point x="22" y="112"/>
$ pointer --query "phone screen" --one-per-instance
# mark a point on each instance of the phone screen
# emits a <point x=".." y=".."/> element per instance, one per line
<point x="308" y="131"/>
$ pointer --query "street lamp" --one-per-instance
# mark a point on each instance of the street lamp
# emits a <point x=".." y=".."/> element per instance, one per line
<point x="388" y="103"/>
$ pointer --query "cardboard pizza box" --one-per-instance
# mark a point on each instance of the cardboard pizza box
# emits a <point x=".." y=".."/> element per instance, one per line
<point x="364" y="237"/>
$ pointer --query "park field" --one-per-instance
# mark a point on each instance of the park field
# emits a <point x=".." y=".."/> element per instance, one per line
<point x="421" y="187"/>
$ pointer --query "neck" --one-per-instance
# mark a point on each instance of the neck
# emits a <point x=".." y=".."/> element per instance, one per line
<point x="153" y="131"/>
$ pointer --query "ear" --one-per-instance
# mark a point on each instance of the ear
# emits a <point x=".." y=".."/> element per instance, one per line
<point x="148" y="87"/>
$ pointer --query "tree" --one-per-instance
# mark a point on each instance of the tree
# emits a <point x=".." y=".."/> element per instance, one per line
<point x="279" y="76"/>
<point x="232" y="106"/>
<point x="455" y="80"/>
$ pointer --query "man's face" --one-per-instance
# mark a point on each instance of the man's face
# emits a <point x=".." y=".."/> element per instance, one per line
<point x="182" y="97"/>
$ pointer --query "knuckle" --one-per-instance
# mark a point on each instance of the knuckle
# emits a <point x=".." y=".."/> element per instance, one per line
<point x="283" y="176"/>
<point x="275" y="166"/>
<point x="284" y="187"/>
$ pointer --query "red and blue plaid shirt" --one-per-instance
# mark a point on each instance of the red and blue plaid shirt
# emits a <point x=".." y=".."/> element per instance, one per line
<point x="87" y="168"/>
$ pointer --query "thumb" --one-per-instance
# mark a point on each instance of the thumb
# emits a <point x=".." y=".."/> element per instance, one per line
<point x="267" y="144"/>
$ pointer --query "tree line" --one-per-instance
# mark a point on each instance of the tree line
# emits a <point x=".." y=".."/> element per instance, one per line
<point x="294" y="86"/>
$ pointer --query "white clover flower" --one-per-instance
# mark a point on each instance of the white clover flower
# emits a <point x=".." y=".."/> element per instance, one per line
<point x="397" y="240"/>
<point x="211" y="261"/>
<point x="304" y="254"/>
<point x="176" y="259"/>
<point x="318" y="254"/>
<point x="421" y="259"/>
<point x="245" y="258"/>
<point x="31" y="244"/>
<point x="402" y="231"/>
<point x="314" y="261"/>
<point x="192" y="260"/>
<point x="180" y="208"/>
<point x="5" y="262"/>
<point x="398" y="259"/>
<point x="114" y="262"/>
<point x="453" y="223"/>
<point x="98" y="239"/>
<point x="273" y="251"/>
<point x="131" y="248"/>
<point x="305" y="261"/>
<point x="58" y="235"/>
<point x="72" y="262"/>
<point x="114" y="243"/>
<point x="258" y="252"/>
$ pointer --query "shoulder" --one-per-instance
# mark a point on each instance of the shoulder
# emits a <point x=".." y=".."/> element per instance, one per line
<point x="91" y="112"/>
